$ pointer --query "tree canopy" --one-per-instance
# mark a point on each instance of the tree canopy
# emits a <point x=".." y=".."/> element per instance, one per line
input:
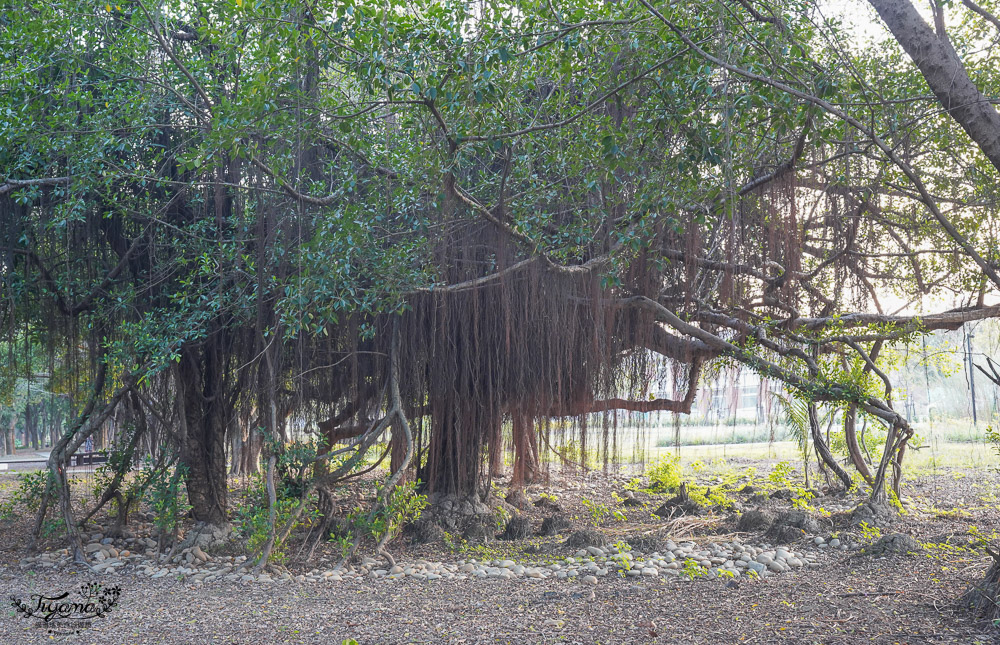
<point x="230" y="215"/>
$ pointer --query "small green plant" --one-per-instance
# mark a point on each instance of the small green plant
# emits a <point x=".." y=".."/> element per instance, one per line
<point x="254" y="516"/>
<point x="53" y="526"/>
<point x="981" y="539"/>
<point x="858" y="482"/>
<point x="402" y="506"/>
<point x="894" y="502"/>
<point x="598" y="512"/>
<point x="501" y="517"/>
<point x="779" y="475"/>
<point x="549" y="497"/>
<point x="634" y="484"/>
<point x="801" y="498"/>
<point x="705" y="496"/>
<point x="665" y="474"/>
<point x="692" y="570"/>
<point x="993" y="437"/>
<point x="169" y="505"/>
<point x="30" y="489"/>
<point x="345" y="543"/>
<point x="869" y="533"/>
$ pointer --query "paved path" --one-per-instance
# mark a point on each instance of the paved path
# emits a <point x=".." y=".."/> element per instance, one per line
<point x="24" y="460"/>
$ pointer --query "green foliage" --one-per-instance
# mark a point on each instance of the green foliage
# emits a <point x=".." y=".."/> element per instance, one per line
<point x="294" y="466"/>
<point x="548" y="497"/>
<point x="573" y="452"/>
<point x="993" y="438"/>
<point x="801" y="499"/>
<point x="779" y="475"/>
<point x="384" y="521"/>
<point x="501" y="516"/>
<point x="710" y="496"/>
<point x="981" y="539"/>
<point x="665" y="474"/>
<point x="692" y="570"/>
<point x="403" y="505"/>
<point x="795" y="410"/>
<point x="53" y="526"/>
<point x="27" y="495"/>
<point x="894" y="501"/>
<point x="869" y="533"/>
<point x="598" y="512"/>
<point x="589" y="127"/>
<point x="167" y="500"/>
<point x="253" y="516"/>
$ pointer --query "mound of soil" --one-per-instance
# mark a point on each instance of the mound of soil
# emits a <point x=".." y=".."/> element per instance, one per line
<point x="554" y="525"/>
<point x="645" y="543"/>
<point x="480" y="529"/>
<point x="546" y="503"/>
<point x="518" y="528"/>
<point x="754" y="520"/>
<point x="585" y="538"/>
<point x="423" y="532"/>
<point x="893" y="543"/>
<point x="792" y="526"/>
<point x="679" y="505"/>
<point x="873" y="514"/>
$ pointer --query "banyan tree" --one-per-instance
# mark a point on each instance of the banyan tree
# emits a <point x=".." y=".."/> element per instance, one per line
<point x="439" y="227"/>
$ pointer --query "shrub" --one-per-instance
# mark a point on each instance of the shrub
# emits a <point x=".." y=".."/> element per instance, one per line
<point x="665" y="474"/>
<point x="169" y="505"/>
<point x="253" y="517"/>
<point x="30" y="489"/>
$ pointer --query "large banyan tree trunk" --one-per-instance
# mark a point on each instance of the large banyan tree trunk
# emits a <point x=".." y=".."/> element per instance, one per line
<point x="455" y="452"/>
<point x="205" y="413"/>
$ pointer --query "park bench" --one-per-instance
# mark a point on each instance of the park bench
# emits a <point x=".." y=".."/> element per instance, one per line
<point x="88" y="458"/>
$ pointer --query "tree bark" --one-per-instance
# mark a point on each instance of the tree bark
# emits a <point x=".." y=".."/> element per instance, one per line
<point x="824" y="450"/>
<point x="853" y="448"/>
<point x="454" y="453"/>
<point x="200" y="394"/>
<point x="525" y="455"/>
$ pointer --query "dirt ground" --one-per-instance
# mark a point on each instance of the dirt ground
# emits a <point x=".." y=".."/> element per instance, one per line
<point x="850" y="597"/>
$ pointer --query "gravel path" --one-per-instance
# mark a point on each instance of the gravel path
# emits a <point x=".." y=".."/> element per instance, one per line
<point x="845" y="602"/>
